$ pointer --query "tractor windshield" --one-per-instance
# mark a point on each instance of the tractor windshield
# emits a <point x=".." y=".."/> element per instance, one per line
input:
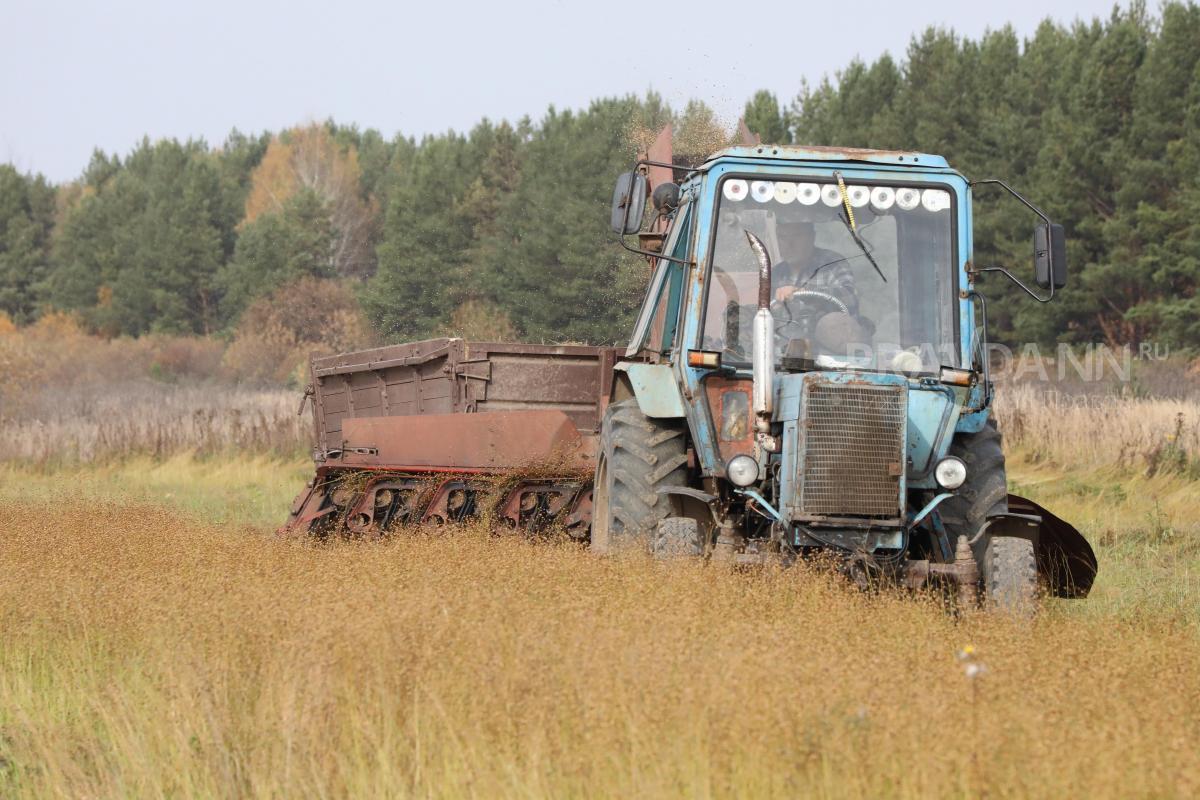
<point x="830" y="303"/>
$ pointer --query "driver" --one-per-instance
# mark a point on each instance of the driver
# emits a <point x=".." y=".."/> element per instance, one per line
<point x="806" y="266"/>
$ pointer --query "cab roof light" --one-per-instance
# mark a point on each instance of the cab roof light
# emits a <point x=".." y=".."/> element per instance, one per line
<point x="707" y="359"/>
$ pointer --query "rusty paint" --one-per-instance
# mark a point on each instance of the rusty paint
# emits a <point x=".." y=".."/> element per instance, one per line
<point x="453" y="501"/>
<point x="532" y="505"/>
<point x="451" y="376"/>
<point x="849" y="153"/>
<point x="493" y="442"/>
<point x="733" y="439"/>
<point x="661" y="151"/>
<point x="803" y="152"/>
<point x="746" y="136"/>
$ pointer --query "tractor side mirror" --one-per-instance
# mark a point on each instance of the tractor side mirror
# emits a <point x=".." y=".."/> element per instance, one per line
<point x="1049" y="250"/>
<point x="629" y="203"/>
<point x="1050" y="256"/>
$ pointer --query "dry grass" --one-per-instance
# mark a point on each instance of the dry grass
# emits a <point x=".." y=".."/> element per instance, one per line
<point x="148" y="654"/>
<point x="159" y="420"/>
<point x="54" y="363"/>
<point x="67" y="397"/>
<point x="1077" y="431"/>
<point x="246" y="490"/>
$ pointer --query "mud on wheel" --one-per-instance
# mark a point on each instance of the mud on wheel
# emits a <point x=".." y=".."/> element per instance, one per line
<point x="638" y="456"/>
<point x="1007" y="564"/>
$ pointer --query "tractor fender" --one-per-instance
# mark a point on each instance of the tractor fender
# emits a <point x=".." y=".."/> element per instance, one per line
<point x="655" y="388"/>
<point x="1065" y="560"/>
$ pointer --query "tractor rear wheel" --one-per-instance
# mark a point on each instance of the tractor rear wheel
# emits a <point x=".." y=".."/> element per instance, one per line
<point x="1006" y="564"/>
<point x="639" y="454"/>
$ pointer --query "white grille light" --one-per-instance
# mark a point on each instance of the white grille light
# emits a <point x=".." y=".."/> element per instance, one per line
<point x="950" y="472"/>
<point x="734" y="190"/>
<point x="831" y="195"/>
<point x="785" y="192"/>
<point x="883" y="197"/>
<point x="908" y="199"/>
<point x="859" y="195"/>
<point x="762" y="191"/>
<point x="808" y="193"/>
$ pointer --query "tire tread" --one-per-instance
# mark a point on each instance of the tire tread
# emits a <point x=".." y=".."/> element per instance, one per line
<point x="642" y="454"/>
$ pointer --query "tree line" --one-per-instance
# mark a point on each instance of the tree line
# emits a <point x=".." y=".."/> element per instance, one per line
<point x="502" y="231"/>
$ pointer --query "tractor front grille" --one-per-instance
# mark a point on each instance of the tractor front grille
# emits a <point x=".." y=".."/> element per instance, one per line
<point x="852" y="449"/>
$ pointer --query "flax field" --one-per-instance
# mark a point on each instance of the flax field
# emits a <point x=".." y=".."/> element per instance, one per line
<point x="157" y="639"/>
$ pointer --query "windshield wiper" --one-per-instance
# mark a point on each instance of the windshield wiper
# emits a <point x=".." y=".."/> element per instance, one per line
<point x="862" y="246"/>
<point x="848" y="220"/>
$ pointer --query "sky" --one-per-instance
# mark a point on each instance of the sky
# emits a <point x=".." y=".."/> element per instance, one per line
<point x="82" y="75"/>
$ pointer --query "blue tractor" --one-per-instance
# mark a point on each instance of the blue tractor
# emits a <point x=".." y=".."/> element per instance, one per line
<point x="808" y="375"/>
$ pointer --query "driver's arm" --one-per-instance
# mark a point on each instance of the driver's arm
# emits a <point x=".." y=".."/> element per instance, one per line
<point x="784" y="280"/>
<point x="840" y="284"/>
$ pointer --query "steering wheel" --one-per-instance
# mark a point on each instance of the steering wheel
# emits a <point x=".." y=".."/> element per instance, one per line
<point x="803" y="315"/>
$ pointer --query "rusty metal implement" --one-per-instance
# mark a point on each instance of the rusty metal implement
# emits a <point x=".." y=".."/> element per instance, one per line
<point x="514" y="425"/>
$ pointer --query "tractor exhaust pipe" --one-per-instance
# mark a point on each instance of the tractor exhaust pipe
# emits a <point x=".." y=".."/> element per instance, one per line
<point x="764" y="325"/>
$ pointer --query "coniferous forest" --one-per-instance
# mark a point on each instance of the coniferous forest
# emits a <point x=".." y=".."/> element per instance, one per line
<point x="501" y="232"/>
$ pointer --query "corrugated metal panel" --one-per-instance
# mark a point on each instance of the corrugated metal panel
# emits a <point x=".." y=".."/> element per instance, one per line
<point x="446" y="376"/>
<point x="853" y="449"/>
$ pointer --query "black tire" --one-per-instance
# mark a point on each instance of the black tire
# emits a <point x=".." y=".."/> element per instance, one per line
<point x="985" y="492"/>
<point x="639" y="455"/>
<point x="677" y="537"/>
<point x="1006" y="564"/>
<point x="1010" y="575"/>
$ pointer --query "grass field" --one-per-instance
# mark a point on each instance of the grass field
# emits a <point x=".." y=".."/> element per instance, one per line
<point x="158" y="641"/>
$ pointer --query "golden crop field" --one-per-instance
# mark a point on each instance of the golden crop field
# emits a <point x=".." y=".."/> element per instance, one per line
<point x="157" y="640"/>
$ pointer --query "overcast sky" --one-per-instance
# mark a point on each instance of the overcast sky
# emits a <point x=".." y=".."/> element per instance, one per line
<point x="74" y="76"/>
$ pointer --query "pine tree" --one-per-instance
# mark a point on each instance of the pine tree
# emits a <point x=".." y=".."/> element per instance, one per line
<point x="560" y="275"/>
<point x="296" y="241"/>
<point x="1151" y="230"/>
<point x="26" y="220"/>
<point x="762" y="116"/>
<point x="141" y="249"/>
<point x="426" y="239"/>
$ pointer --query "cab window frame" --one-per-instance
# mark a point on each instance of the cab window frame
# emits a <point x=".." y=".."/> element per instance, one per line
<point x="668" y="276"/>
<point x="953" y="337"/>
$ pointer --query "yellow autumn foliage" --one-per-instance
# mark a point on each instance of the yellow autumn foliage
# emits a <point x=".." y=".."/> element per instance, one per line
<point x="308" y="158"/>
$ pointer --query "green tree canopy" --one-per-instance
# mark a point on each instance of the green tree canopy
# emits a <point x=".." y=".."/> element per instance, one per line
<point x="1098" y="122"/>
<point x="26" y="221"/>
<point x="277" y="248"/>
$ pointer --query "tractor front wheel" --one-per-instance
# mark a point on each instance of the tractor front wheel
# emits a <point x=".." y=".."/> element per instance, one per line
<point x="677" y="537"/>
<point x="1010" y="578"/>
<point x="1007" y="564"/>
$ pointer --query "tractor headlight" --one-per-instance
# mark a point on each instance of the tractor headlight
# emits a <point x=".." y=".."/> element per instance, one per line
<point x="950" y="472"/>
<point x="742" y="471"/>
